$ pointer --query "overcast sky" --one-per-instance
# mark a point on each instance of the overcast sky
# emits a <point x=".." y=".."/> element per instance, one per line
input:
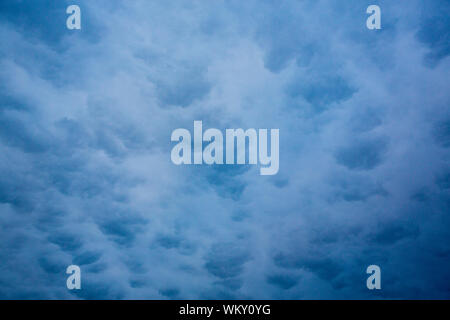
<point x="86" y="176"/>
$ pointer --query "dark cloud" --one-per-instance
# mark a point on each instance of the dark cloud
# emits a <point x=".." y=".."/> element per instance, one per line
<point x="283" y="281"/>
<point x="226" y="260"/>
<point x="86" y="176"/>
<point x="88" y="257"/>
<point x="435" y="30"/>
<point x="392" y="233"/>
<point x="362" y="155"/>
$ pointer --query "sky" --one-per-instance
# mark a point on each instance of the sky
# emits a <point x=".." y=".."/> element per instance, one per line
<point x="86" y="176"/>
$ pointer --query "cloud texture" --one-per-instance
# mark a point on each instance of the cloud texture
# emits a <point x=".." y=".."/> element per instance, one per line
<point x="85" y="171"/>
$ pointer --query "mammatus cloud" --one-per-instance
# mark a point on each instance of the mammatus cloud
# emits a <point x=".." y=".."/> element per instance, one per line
<point x="86" y="177"/>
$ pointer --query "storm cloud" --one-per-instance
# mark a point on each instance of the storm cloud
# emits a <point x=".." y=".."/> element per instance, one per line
<point x="86" y="177"/>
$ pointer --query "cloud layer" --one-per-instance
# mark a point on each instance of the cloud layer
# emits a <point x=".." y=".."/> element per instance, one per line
<point x="86" y="177"/>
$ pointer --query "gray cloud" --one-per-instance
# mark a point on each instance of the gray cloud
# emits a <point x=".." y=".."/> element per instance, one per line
<point x="85" y="124"/>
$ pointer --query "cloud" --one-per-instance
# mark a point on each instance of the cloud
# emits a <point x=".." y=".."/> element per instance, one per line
<point x="361" y="155"/>
<point x="85" y="124"/>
